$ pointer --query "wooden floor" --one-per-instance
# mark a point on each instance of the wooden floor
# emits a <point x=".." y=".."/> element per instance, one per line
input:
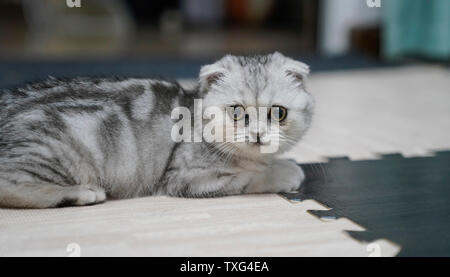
<point x="251" y="225"/>
<point x="359" y="114"/>
<point x="364" y="113"/>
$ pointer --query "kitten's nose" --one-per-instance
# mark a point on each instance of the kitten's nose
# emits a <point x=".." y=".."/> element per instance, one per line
<point x="257" y="132"/>
<point x="257" y="137"/>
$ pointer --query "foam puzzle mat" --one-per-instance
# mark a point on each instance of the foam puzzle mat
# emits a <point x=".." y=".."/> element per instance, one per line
<point x="403" y="200"/>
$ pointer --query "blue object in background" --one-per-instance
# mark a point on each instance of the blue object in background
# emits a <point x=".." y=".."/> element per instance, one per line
<point x="417" y="27"/>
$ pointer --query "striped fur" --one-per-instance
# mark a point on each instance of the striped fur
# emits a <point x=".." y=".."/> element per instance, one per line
<point x="67" y="142"/>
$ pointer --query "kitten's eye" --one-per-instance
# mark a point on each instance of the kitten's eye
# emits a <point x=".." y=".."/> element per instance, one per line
<point x="278" y="113"/>
<point x="237" y="112"/>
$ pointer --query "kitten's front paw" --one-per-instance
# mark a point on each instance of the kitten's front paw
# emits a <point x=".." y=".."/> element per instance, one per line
<point x="288" y="176"/>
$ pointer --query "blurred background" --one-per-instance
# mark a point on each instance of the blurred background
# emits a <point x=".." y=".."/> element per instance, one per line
<point x="174" y="37"/>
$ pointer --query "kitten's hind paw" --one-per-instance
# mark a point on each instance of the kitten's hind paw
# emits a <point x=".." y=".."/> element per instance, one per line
<point x="84" y="195"/>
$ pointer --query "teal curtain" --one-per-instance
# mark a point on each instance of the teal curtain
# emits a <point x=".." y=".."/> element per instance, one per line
<point x="416" y="27"/>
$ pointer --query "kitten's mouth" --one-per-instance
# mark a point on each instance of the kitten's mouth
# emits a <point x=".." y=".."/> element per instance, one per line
<point x="258" y="144"/>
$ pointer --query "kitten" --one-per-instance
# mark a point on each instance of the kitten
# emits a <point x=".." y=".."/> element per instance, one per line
<point x="70" y="142"/>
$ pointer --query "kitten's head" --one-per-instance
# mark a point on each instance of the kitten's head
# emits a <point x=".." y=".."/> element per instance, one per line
<point x="273" y="87"/>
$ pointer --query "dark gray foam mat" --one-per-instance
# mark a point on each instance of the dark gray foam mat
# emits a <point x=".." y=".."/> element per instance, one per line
<point x="405" y="200"/>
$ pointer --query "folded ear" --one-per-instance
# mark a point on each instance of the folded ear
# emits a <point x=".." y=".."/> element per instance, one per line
<point x="298" y="71"/>
<point x="210" y="75"/>
<point x="293" y="69"/>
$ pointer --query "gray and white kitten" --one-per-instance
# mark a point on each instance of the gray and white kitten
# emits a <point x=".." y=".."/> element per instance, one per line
<point x="66" y="142"/>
